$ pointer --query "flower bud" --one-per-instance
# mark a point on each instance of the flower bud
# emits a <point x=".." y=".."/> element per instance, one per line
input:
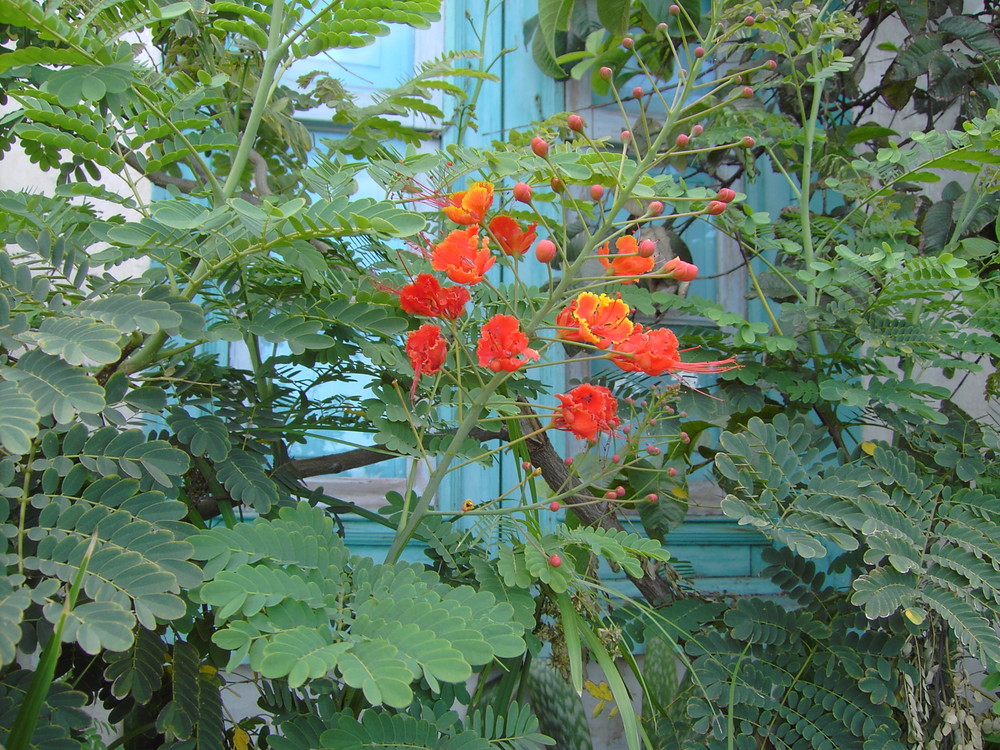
<point x="699" y="52"/>
<point x="674" y="10"/>
<point x="655" y="208"/>
<point x="697" y="130"/>
<point x="761" y="18"/>
<point x="661" y="26"/>
<point x="726" y="195"/>
<point x="749" y="21"/>
<point x="681" y="270"/>
<point x="569" y="459"/>
<point x="540" y="146"/>
<point x="626" y="136"/>
<point x="597" y="192"/>
<point x="555" y="561"/>
<point x="771" y="65"/>
<point x="556" y="184"/>
<point x="638" y="93"/>
<point x="554" y="506"/>
<point x="522" y="192"/>
<point x="575" y="122"/>
<point x="672" y="472"/>
<point x="605" y="73"/>
<point x="620" y="491"/>
<point x="610" y="495"/>
<point x="747" y="92"/>
<point x="526" y="465"/>
<point x="652" y="497"/>
<point x="628" y="42"/>
<point x="682" y="140"/>
<point x="616" y="459"/>
<point x="685" y="437"/>
<point x="748" y="142"/>
<point x="714" y="208"/>
<point x="545" y="251"/>
<point x="647" y="248"/>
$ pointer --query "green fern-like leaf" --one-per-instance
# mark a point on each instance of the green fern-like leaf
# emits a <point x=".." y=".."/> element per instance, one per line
<point x="515" y="729"/>
<point x="56" y="387"/>
<point x="616" y="545"/>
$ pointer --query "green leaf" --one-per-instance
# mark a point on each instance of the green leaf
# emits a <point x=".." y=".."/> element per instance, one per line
<point x="553" y="16"/>
<point x="56" y="387"/>
<point x="376" y="669"/>
<point x="14" y="600"/>
<point x="95" y="626"/>
<point x="77" y="341"/>
<point x="19" y="419"/>
<point x="883" y="591"/>
<point x="614" y="14"/>
<point x="127" y="313"/>
<point x="137" y="672"/>
<point x="244" y="478"/>
<point x="204" y="435"/>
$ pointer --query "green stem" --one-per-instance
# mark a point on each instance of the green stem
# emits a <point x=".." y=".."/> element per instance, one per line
<point x="271" y="59"/>
<point x="407" y="529"/>
<point x="805" y="217"/>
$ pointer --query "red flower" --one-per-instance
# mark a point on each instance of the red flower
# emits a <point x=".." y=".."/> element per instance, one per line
<point x="595" y="319"/>
<point x="681" y="269"/>
<point x="427" y="351"/>
<point x="627" y="261"/>
<point x="513" y="240"/>
<point x="470" y="206"/>
<point x="586" y="411"/>
<point x="654" y="352"/>
<point x="425" y="296"/>
<point x="463" y="257"/>
<point x="502" y="345"/>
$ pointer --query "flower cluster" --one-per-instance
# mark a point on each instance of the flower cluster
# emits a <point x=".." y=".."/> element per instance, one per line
<point x="600" y="321"/>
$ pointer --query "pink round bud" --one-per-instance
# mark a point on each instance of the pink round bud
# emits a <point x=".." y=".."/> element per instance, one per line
<point x="626" y="136"/>
<point x="568" y="460"/>
<point x="699" y="52"/>
<point x="651" y="450"/>
<point x="685" y="437"/>
<point x="556" y="184"/>
<point x="575" y="122"/>
<point x="545" y="252"/>
<point x="597" y="192"/>
<point x="605" y="73"/>
<point x="540" y="146"/>
<point x="737" y="80"/>
<point x="749" y="21"/>
<point x="714" y="208"/>
<point x="627" y="429"/>
<point x="672" y="471"/>
<point x="655" y="208"/>
<point x="628" y="42"/>
<point x="682" y="140"/>
<point x="697" y="130"/>
<point x="554" y="506"/>
<point x="522" y="192"/>
<point x="620" y="491"/>
<point x="610" y="495"/>
<point x="771" y="65"/>
<point x="647" y="248"/>
<point x="615" y="458"/>
<point x="638" y="93"/>
<point x="748" y="142"/>
<point x="526" y="465"/>
<point x="674" y="10"/>
<point x="747" y="92"/>
<point x="661" y="26"/>
<point x="555" y="561"/>
<point x="652" y="497"/>
<point x="726" y="195"/>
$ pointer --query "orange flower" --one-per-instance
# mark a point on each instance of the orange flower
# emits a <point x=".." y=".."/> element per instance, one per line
<point x="427" y="352"/>
<point x="595" y="319"/>
<point x="463" y="257"/>
<point x="513" y="240"/>
<point x="470" y="206"/>
<point x="425" y="296"/>
<point x="654" y="352"/>
<point x="586" y="411"/>
<point x="502" y="345"/>
<point x="467" y="506"/>
<point x="681" y="269"/>
<point x="627" y="261"/>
